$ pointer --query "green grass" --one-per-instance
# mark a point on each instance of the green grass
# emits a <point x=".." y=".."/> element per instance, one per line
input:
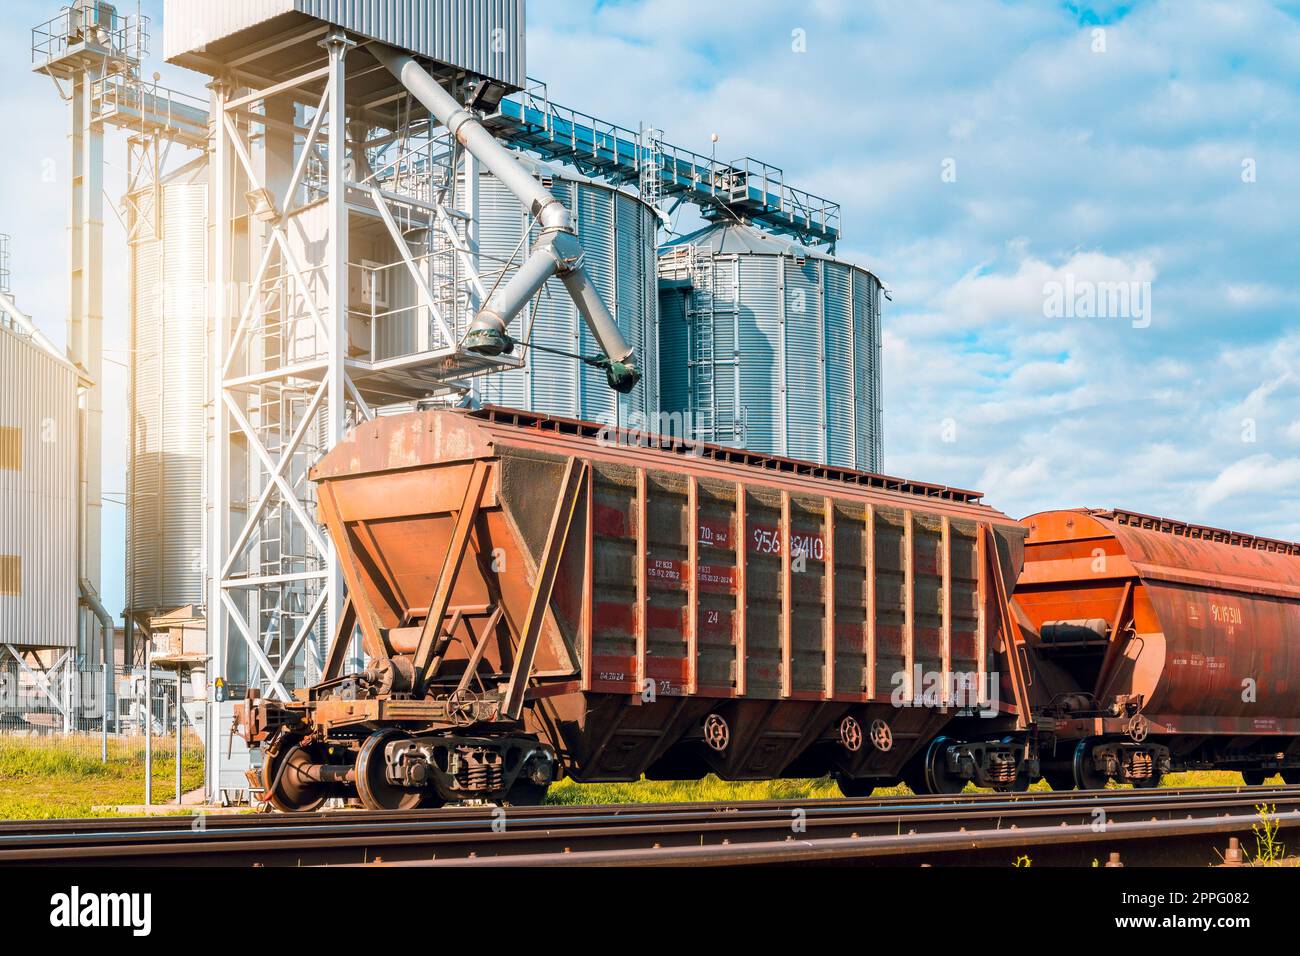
<point x="570" y="793"/>
<point x="52" y="778"/>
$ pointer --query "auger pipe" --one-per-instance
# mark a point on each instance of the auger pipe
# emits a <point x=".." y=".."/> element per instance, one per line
<point x="471" y="134"/>
<point x="487" y="333"/>
<point x="510" y="299"/>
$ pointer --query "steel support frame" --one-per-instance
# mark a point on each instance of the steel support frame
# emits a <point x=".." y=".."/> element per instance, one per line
<point x="433" y="640"/>
<point x="235" y="311"/>
<point x="1013" y="639"/>
<point x="548" y="566"/>
<point x="1115" y="647"/>
<point x="43" y="680"/>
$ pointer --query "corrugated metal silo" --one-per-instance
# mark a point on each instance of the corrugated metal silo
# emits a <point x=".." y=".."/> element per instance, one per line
<point x="771" y="347"/>
<point x="167" y="400"/>
<point x="618" y="233"/>
<point x="39" y="439"/>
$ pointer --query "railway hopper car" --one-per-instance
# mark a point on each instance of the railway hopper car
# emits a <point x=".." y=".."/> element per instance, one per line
<point x="1160" y="646"/>
<point x="539" y="597"/>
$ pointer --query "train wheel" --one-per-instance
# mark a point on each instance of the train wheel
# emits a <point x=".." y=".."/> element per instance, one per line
<point x="1255" y="778"/>
<point x="1086" y="776"/>
<point x="937" y="778"/>
<point x="286" y="785"/>
<point x="372" y="781"/>
<point x="856" y="786"/>
<point x="1060" y="777"/>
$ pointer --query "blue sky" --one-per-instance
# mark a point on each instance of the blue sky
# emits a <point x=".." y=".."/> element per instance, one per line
<point x="982" y="152"/>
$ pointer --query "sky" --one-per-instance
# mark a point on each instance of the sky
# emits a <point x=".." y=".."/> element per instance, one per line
<point x="1013" y="172"/>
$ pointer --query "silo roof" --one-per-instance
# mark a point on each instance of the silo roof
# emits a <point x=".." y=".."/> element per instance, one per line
<point x="732" y="238"/>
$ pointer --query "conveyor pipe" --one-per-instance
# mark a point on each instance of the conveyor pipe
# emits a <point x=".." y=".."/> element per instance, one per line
<point x="557" y="253"/>
<point x="91" y="599"/>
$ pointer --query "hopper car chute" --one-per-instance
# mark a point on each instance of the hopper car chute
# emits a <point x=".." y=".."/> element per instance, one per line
<point x="538" y="597"/>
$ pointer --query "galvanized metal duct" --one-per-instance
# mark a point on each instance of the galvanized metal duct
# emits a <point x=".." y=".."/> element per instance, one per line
<point x="21" y="319"/>
<point x="91" y="599"/>
<point x="557" y="253"/>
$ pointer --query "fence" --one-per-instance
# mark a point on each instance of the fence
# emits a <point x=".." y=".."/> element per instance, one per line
<point x="64" y="707"/>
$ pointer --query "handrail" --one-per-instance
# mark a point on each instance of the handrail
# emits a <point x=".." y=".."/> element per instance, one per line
<point x="746" y="182"/>
<point x="123" y="35"/>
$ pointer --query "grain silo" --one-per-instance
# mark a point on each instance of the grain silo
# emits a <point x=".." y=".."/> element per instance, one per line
<point x="618" y="234"/>
<point x="167" y="399"/>
<point x="771" y="347"/>
<point x="39" y="534"/>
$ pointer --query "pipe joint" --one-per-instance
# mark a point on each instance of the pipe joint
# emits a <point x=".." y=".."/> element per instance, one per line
<point x="456" y="122"/>
<point x="568" y="252"/>
<point x="487" y="335"/>
<point x="555" y="219"/>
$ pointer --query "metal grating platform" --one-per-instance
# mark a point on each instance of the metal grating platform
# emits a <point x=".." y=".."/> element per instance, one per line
<point x="747" y="188"/>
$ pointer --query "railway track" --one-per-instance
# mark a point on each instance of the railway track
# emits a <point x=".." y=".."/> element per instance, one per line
<point x="1168" y="826"/>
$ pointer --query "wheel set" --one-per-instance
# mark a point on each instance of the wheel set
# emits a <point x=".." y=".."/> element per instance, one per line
<point x="298" y="779"/>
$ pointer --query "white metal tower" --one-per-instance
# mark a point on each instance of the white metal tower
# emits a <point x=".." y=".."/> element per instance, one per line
<point x="93" y="54"/>
<point x="80" y="50"/>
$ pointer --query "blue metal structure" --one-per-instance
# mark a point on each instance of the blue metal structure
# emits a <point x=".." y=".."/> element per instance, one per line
<point x="744" y="189"/>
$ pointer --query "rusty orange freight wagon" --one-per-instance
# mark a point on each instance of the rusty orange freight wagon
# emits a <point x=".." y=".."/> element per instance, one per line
<point x="1159" y="645"/>
<point x="539" y="597"/>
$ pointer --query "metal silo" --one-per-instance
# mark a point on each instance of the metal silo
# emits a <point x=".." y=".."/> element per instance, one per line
<point x="618" y="233"/>
<point x="39" y="439"/>
<point x="771" y="347"/>
<point x="167" y="400"/>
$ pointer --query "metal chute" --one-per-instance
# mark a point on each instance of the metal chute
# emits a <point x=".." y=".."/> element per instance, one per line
<point x="557" y="253"/>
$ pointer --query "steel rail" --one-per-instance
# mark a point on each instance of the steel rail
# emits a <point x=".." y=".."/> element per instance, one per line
<point x="1159" y="842"/>
<point x="469" y="812"/>
<point x="528" y="834"/>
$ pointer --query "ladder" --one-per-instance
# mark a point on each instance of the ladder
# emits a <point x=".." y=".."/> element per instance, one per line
<point x="652" y="166"/>
<point x="700" y="319"/>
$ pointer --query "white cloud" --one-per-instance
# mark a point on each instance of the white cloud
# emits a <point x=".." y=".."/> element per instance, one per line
<point x="982" y="298"/>
<point x="1018" y="479"/>
<point x="1259" y="476"/>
